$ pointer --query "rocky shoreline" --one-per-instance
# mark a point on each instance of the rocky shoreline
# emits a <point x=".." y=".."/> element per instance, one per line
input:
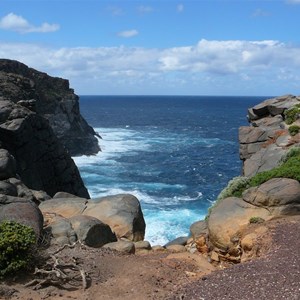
<point x="40" y="186"/>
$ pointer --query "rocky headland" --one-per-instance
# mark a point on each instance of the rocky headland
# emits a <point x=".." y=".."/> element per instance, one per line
<point x="89" y="244"/>
<point x="51" y="98"/>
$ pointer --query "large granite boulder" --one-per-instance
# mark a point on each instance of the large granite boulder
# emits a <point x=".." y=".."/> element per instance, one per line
<point x="228" y="218"/>
<point x="39" y="158"/>
<point x="21" y="211"/>
<point x="281" y="196"/>
<point x="51" y="98"/>
<point x="92" y="231"/>
<point x="121" y="212"/>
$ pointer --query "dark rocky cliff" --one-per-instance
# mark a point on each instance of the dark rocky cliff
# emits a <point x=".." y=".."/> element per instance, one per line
<point x="42" y="163"/>
<point x="52" y="99"/>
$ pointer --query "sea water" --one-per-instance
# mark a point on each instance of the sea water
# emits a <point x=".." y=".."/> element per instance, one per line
<point x="174" y="153"/>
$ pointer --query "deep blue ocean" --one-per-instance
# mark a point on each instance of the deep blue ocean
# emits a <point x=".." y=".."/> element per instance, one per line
<point x="174" y="153"/>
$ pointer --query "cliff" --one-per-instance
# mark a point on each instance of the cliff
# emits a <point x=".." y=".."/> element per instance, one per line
<point x="40" y="160"/>
<point x="269" y="187"/>
<point x="51" y="98"/>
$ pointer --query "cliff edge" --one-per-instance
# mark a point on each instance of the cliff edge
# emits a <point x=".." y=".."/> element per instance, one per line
<point x="51" y="98"/>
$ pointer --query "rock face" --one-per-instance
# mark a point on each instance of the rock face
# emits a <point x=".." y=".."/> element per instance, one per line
<point x="263" y="145"/>
<point x="264" y="142"/>
<point x="39" y="158"/>
<point x="52" y="99"/>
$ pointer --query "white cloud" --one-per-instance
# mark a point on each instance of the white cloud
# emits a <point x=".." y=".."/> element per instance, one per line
<point x="145" y="9"/>
<point x="180" y="7"/>
<point x="128" y="33"/>
<point x="18" y="24"/>
<point x="232" y="67"/>
<point x="260" y="13"/>
<point x="115" y="10"/>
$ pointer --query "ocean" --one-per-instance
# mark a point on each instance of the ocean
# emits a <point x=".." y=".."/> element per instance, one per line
<point x="174" y="153"/>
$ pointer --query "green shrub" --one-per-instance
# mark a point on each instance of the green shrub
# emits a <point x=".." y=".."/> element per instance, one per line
<point x="292" y="152"/>
<point x="256" y="220"/>
<point x="291" y="115"/>
<point x="288" y="169"/>
<point x="235" y="188"/>
<point x="294" y="129"/>
<point x="16" y="247"/>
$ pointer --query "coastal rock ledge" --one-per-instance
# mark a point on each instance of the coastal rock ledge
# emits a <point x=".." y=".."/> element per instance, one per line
<point x="51" y="98"/>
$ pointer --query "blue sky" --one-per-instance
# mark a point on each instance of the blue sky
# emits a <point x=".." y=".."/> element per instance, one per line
<point x="212" y="47"/>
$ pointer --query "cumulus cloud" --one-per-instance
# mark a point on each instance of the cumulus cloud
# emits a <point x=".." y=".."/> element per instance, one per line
<point x="229" y="66"/>
<point x="180" y="7"/>
<point x="128" y="33"/>
<point x="19" y="24"/>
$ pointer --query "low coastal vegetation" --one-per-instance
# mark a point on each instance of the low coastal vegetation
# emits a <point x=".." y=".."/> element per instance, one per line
<point x="17" y="242"/>
<point x="292" y="114"/>
<point x="294" y="129"/>
<point x="289" y="167"/>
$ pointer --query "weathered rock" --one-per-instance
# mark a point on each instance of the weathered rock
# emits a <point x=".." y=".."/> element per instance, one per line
<point x="274" y="106"/>
<point x="23" y="212"/>
<point x="66" y="207"/>
<point x="145" y="245"/>
<point x="198" y="228"/>
<point x="182" y="240"/>
<point x="62" y="231"/>
<point x="228" y="218"/>
<point x="121" y="246"/>
<point x="51" y="98"/>
<point x="248" y="241"/>
<point x="6" y="188"/>
<point x="249" y="135"/>
<point x="64" y="195"/>
<point x="278" y="195"/>
<point x="263" y="160"/>
<point x="122" y="213"/>
<point x="274" y="123"/>
<point x="7" y="165"/>
<point x="91" y="231"/>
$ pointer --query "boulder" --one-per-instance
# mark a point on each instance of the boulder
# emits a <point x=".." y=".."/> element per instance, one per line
<point x="6" y="188"/>
<point x="198" y="228"/>
<point x="66" y="207"/>
<point x="122" y="213"/>
<point x="142" y="245"/>
<point x="61" y="231"/>
<point x="228" y="218"/>
<point x="91" y="231"/>
<point x="121" y="246"/>
<point x="21" y="211"/>
<point x="182" y="240"/>
<point x="7" y="165"/>
<point x="278" y="195"/>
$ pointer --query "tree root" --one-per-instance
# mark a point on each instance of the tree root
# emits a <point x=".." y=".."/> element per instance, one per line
<point x="59" y="273"/>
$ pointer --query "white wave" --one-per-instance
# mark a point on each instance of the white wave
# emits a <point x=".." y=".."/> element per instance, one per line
<point x="165" y="225"/>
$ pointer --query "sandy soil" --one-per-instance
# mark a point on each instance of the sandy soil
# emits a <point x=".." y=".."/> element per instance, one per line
<point x="112" y="275"/>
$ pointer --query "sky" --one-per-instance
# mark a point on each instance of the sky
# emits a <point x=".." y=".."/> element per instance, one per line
<point x="167" y="47"/>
